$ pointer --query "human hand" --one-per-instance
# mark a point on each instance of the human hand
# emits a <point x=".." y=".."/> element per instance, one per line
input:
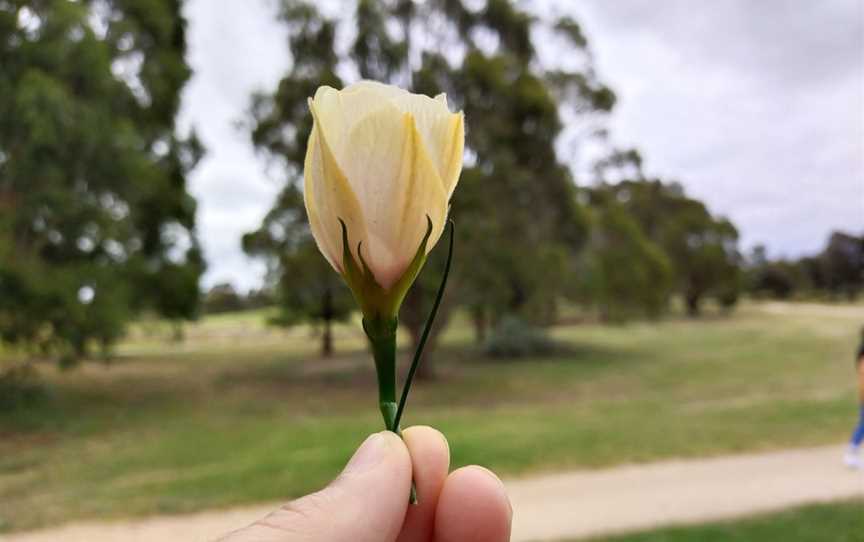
<point x="368" y="502"/>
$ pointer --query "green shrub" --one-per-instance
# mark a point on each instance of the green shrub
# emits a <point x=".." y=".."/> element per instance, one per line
<point x="513" y="337"/>
<point x="19" y="387"/>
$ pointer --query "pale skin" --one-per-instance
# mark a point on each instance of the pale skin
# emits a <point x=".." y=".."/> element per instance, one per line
<point x="368" y="502"/>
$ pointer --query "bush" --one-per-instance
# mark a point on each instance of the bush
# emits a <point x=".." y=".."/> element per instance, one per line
<point x="20" y="387"/>
<point x="515" y="338"/>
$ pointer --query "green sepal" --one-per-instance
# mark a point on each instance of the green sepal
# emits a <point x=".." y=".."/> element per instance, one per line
<point x="376" y="303"/>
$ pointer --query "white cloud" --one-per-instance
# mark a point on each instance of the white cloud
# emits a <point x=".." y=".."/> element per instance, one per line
<point x="756" y="107"/>
<point x="235" y="48"/>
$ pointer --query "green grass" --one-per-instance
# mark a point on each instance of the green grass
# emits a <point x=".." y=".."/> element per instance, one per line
<point x="241" y="412"/>
<point x="834" y="522"/>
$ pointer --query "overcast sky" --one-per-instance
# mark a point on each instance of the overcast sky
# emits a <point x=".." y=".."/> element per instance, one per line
<point x="757" y="107"/>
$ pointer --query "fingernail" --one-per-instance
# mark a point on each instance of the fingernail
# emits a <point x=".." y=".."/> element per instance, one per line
<point x="370" y="453"/>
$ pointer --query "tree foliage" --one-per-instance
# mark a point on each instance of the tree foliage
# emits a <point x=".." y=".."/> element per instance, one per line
<point x="223" y="297"/>
<point x="842" y="264"/>
<point x="836" y="272"/>
<point x="95" y="220"/>
<point x="702" y="248"/>
<point x="625" y="274"/>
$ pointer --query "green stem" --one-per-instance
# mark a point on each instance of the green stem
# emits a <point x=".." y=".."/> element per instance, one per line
<point x="382" y="337"/>
<point x="426" y="329"/>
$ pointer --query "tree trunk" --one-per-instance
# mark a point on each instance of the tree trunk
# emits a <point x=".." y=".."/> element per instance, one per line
<point x="478" y="316"/>
<point x="604" y="313"/>
<point x="693" y="307"/>
<point x="178" y="334"/>
<point x="327" y="315"/>
<point x="327" y="339"/>
<point x="426" y="368"/>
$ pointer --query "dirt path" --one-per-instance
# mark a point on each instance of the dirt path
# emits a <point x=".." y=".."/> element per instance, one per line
<point x="644" y="496"/>
<point x="575" y="504"/>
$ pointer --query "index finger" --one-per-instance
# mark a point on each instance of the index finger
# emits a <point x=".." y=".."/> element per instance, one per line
<point x="430" y="459"/>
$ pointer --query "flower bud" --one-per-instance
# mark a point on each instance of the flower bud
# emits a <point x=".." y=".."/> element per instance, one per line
<point x="381" y="165"/>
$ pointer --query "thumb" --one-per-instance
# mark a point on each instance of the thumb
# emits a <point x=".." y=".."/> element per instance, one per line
<point x="366" y="503"/>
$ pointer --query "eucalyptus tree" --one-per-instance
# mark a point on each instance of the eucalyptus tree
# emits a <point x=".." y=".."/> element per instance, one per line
<point x="624" y="273"/>
<point x="95" y="219"/>
<point x="702" y="248"/>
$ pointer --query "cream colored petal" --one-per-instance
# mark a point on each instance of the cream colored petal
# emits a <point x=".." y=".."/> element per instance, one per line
<point x="328" y="198"/>
<point x="430" y="191"/>
<point x="442" y="133"/>
<point x="452" y="154"/>
<point x="340" y="111"/>
<point x="385" y="91"/>
<point x="312" y="177"/>
<point x="401" y="186"/>
<point x="373" y="165"/>
<point x="425" y="195"/>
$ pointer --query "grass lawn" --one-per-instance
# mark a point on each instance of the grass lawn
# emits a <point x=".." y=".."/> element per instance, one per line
<point x="240" y="412"/>
<point x="834" y="522"/>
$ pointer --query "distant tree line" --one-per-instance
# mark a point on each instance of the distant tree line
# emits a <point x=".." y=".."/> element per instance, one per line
<point x="834" y="273"/>
<point x="650" y="242"/>
<point x="97" y="224"/>
<point x="223" y="297"/>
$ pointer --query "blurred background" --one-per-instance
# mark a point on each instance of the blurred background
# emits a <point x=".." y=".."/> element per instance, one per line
<point x="659" y="254"/>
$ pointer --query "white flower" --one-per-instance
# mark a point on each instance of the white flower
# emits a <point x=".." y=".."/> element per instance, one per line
<point x="382" y="160"/>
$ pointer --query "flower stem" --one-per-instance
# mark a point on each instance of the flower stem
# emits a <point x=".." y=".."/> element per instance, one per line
<point x="382" y="337"/>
